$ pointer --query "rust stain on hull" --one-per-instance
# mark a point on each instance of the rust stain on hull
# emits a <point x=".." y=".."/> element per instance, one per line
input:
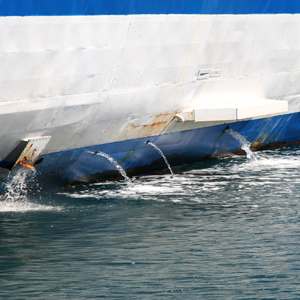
<point x="23" y="164"/>
<point x="146" y="126"/>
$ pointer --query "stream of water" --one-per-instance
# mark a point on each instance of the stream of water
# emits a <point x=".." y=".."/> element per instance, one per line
<point x="162" y="155"/>
<point x="245" y="145"/>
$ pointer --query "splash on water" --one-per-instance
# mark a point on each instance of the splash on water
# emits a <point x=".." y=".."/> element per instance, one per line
<point x="245" y="145"/>
<point x="16" y="193"/>
<point x="115" y="163"/>
<point x="163" y="156"/>
<point x="18" y="185"/>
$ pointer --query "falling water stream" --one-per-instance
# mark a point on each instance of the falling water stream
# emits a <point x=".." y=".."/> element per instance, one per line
<point x="17" y="185"/>
<point x="245" y="145"/>
<point x="115" y="163"/>
<point x="163" y="156"/>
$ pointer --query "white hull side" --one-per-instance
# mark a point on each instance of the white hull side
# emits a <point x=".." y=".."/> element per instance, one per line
<point x="89" y="80"/>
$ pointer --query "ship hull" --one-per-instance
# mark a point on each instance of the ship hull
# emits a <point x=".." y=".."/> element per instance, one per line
<point x="111" y="80"/>
<point x="137" y="157"/>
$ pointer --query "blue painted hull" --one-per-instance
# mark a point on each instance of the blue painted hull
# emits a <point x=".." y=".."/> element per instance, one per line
<point x="136" y="157"/>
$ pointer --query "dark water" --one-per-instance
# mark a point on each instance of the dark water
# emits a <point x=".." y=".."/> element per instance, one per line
<point x="226" y="229"/>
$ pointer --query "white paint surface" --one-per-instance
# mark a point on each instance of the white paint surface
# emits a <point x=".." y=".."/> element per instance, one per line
<point x="238" y="111"/>
<point x="88" y="80"/>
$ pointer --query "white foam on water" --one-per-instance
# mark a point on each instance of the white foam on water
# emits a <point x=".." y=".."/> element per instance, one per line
<point x="155" y="191"/>
<point x="137" y="192"/>
<point x="152" y="189"/>
<point x="280" y="163"/>
<point x="24" y="206"/>
<point x="264" y="164"/>
<point x="144" y="188"/>
<point x="235" y="177"/>
<point x="161" y="189"/>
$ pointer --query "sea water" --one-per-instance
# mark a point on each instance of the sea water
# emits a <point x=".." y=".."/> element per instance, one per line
<point x="223" y="229"/>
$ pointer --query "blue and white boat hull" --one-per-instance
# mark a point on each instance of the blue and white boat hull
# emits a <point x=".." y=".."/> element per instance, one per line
<point x="110" y="76"/>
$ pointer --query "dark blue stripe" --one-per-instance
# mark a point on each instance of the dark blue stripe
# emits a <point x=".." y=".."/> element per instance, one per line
<point x="126" y="7"/>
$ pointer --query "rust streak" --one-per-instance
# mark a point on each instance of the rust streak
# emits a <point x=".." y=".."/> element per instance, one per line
<point x="156" y="124"/>
<point x="26" y="165"/>
<point x="161" y="115"/>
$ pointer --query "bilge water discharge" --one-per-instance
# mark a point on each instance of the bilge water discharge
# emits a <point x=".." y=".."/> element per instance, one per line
<point x="16" y="193"/>
<point x="115" y="163"/>
<point x="162" y="155"/>
<point x="245" y="145"/>
<point x="17" y="185"/>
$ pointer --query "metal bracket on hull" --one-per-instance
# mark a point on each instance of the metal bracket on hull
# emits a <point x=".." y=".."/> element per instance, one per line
<point x="236" y="111"/>
<point x="33" y="148"/>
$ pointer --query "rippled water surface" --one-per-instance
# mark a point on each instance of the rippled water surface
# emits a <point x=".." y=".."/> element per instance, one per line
<point x="224" y="229"/>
